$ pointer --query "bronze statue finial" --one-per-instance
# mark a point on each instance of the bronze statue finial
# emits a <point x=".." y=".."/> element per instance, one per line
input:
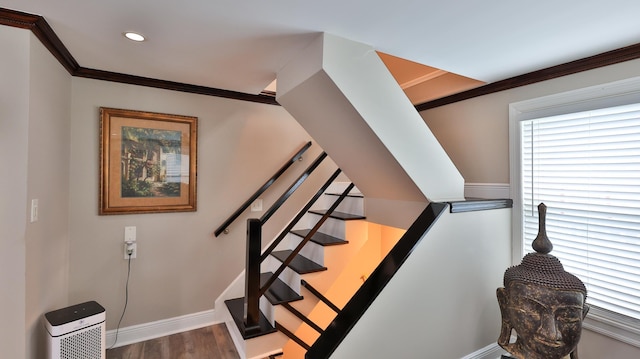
<point x="543" y="303"/>
<point x="542" y="244"/>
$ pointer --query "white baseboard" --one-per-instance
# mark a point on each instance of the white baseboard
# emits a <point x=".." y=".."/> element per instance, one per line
<point x="491" y="351"/>
<point x="486" y="190"/>
<point x="160" y="328"/>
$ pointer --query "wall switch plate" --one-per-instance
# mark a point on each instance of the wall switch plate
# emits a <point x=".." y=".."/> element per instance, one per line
<point x="130" y="234"/>
<point x="34" y="210"/>
<point x="256" y="206"/>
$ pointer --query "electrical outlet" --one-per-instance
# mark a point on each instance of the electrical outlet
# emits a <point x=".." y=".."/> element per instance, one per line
<point x="130" y="250"/>
<point x="130" y="245"/>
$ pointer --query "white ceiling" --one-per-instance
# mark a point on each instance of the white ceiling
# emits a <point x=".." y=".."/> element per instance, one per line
<point x="240" y="45"/>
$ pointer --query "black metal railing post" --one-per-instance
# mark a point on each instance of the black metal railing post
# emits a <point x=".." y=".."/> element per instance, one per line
<point x="254" y="257"/>
<point x="252" y="275"/>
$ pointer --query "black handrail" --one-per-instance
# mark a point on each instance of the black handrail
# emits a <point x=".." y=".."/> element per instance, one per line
<point x="261" y="190"/>
<point x="278" y="203"/>
<point x="335" y="333"/>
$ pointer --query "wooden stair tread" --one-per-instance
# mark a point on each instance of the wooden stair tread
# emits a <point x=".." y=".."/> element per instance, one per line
<point x="299" y="263"/>
<point x="236" y="308"/>
<point x="279" y="292"/>
<point x="339" y="215"/>
<point x="320" y="238"/>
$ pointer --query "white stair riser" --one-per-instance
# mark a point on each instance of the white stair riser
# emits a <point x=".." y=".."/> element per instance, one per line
<point x="288" y="276"/>
<point x="286" y="318"/>
<point x="268" y="310"/>
<point x="353" y="205"/>
<point x="262" y="346"/>
<point x="339" y="187"/>
<point x="333" y="227"/>
<point x="289" y="242"/>
<point x="311" y="250"/>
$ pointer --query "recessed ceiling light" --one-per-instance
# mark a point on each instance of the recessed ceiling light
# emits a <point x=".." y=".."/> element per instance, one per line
<point x="134" y="36"/>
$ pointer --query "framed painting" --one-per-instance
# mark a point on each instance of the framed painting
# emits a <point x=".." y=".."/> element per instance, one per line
<point x="147" y="162"/>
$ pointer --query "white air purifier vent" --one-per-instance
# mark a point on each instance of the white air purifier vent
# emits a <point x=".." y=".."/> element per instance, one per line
<point x="76" y="332"/>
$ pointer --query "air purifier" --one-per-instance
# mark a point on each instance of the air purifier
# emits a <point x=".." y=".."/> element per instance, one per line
<point x="76" y="332"/>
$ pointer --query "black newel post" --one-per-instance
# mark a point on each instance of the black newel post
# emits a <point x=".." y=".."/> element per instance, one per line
<point x="252" y="288"/>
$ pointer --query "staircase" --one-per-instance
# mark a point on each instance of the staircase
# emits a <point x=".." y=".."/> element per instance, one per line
<point x="296" y="297"/>
<point x="295" y="305"/>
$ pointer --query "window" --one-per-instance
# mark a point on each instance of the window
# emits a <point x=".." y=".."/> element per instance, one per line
<point x="579" y="153"/>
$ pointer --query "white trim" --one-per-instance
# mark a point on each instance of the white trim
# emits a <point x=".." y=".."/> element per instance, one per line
<point x="160" y="328"/>
<point x="616" y="93"/>
<point x="491" y="351"/>
<point x="613" y="325"/>
<point x="486" y="190"/>
<point x="515" y="183"/>
<point x="423" y="78"/>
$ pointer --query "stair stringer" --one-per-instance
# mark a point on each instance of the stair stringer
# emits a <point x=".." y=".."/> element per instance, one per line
<point x="459" y="262"/>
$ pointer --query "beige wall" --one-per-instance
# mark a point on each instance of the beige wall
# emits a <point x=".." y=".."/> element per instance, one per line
<point x="475" y="134"/>
<point x="34" y="139"/>
<point x="14" y="130"/>
<point x="47" y="240"/>
<point x="597" y="346"/>
<point x="181" y="267"/>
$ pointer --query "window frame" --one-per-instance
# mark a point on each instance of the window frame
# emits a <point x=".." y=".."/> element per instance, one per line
<point x="617" y="93"/>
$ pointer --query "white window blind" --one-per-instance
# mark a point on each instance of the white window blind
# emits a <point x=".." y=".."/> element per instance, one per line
<point x="586" y="168"/>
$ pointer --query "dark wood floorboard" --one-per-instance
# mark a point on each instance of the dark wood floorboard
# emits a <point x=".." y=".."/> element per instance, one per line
<point x="213" y="342"/>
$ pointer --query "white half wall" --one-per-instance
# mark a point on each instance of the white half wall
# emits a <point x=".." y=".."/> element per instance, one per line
<point x="442" y="302"/>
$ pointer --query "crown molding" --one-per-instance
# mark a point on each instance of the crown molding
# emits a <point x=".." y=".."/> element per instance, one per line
<point x="41" y="29"/>
<point x="589" y="63"/>
<point x="423" y="78"/>
<point x="170" y="85"/>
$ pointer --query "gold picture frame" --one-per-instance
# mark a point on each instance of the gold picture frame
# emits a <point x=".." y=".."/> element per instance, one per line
<point x="147" y="162"/>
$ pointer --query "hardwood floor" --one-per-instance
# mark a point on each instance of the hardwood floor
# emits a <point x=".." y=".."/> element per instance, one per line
<point x="212" y="342"/>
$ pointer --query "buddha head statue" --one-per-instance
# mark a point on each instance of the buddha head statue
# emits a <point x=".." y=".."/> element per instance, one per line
<point x="543" y="303"/>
